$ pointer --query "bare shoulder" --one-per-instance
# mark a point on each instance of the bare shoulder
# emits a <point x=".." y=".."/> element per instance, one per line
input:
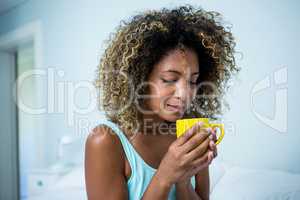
<point x="101" y="143"/>
<point x="104" y="164"/>
<point x="103" y="136"/>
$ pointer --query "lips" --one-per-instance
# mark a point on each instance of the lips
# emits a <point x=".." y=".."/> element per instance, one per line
<point x="173" y="107"/>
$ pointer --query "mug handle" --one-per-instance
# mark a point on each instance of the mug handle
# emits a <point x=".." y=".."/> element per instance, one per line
<point x="221" y="126"/>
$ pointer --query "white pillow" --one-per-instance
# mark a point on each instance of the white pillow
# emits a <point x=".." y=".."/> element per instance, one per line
<point x="217" y="170"/>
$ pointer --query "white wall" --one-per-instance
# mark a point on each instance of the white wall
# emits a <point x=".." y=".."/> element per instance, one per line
<point x="266" y="34"/>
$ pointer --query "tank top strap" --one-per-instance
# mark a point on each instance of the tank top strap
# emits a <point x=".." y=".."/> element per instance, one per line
<point x="127" y="146"/>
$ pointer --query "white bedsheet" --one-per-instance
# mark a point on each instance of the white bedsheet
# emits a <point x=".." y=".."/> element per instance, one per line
<point x="251" y="184"/>
<point x="227" y="183"/>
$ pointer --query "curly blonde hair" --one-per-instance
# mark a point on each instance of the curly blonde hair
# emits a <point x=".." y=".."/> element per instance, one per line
<point x="139" y="43"/>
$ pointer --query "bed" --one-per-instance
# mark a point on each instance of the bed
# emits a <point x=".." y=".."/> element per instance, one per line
<point x="231" y="182"/>
<point x="228" y="182"/>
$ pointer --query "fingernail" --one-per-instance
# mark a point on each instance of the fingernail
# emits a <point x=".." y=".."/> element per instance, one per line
<point x="200" y="123"/>
<point x="190" y="133"/>
<point x="214" y="133"/>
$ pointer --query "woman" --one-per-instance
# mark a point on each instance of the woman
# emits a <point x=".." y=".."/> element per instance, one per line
<point x="159" y="66"/>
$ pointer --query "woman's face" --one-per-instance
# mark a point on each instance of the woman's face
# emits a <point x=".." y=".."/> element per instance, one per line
<point x="172" y="84"/>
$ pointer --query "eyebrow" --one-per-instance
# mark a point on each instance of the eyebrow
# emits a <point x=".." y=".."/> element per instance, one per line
<point x="177" y="72"/>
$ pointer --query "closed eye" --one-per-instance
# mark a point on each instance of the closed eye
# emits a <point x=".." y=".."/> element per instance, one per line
<point x="168" y="81"/>
<point x="173" y="81"/>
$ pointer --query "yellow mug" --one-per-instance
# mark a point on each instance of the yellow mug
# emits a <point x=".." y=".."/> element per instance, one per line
<point x="183" y="124"/>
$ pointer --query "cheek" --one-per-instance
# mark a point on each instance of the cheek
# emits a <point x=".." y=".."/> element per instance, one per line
<point x="159" y="97"/>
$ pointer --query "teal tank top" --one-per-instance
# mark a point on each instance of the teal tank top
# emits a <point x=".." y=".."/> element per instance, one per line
<point x="141" y="172"/>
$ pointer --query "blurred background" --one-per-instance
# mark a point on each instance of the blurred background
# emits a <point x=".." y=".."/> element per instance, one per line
<point x="49" y="51"/>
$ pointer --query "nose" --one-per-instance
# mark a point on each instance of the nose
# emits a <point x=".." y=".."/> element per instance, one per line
<point x="182" y="91"/>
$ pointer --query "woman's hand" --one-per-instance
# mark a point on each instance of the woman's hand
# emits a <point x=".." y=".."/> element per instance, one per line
<point x="187" y="155"/>
<point x="213" y="155"/>
<point x="212" y="144"/>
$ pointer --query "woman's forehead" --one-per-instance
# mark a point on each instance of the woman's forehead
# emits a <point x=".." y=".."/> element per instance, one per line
<point x="178" y="60"/>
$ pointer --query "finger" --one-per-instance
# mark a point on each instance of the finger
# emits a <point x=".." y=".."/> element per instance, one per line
<point x="195" y="141"/>
<point x="212" y="145"/>
<point x="188" y="133"/>
<point x="198" y="151"/>
<point x="213" y="148"/>
<point x="200" y="160"/>
<point x="195" y="170"/>
<point x="215" y="153"/>
<point x="210" y="157"/>
<point x="214" y="134"/>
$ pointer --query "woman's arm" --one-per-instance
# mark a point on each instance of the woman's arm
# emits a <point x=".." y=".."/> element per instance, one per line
<point x="104" y="166"/>
<point x="104" y="169"/>
<point x="185" y="190"/>
<point x="202" y="183"/>
<point x="157" y="189"/>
